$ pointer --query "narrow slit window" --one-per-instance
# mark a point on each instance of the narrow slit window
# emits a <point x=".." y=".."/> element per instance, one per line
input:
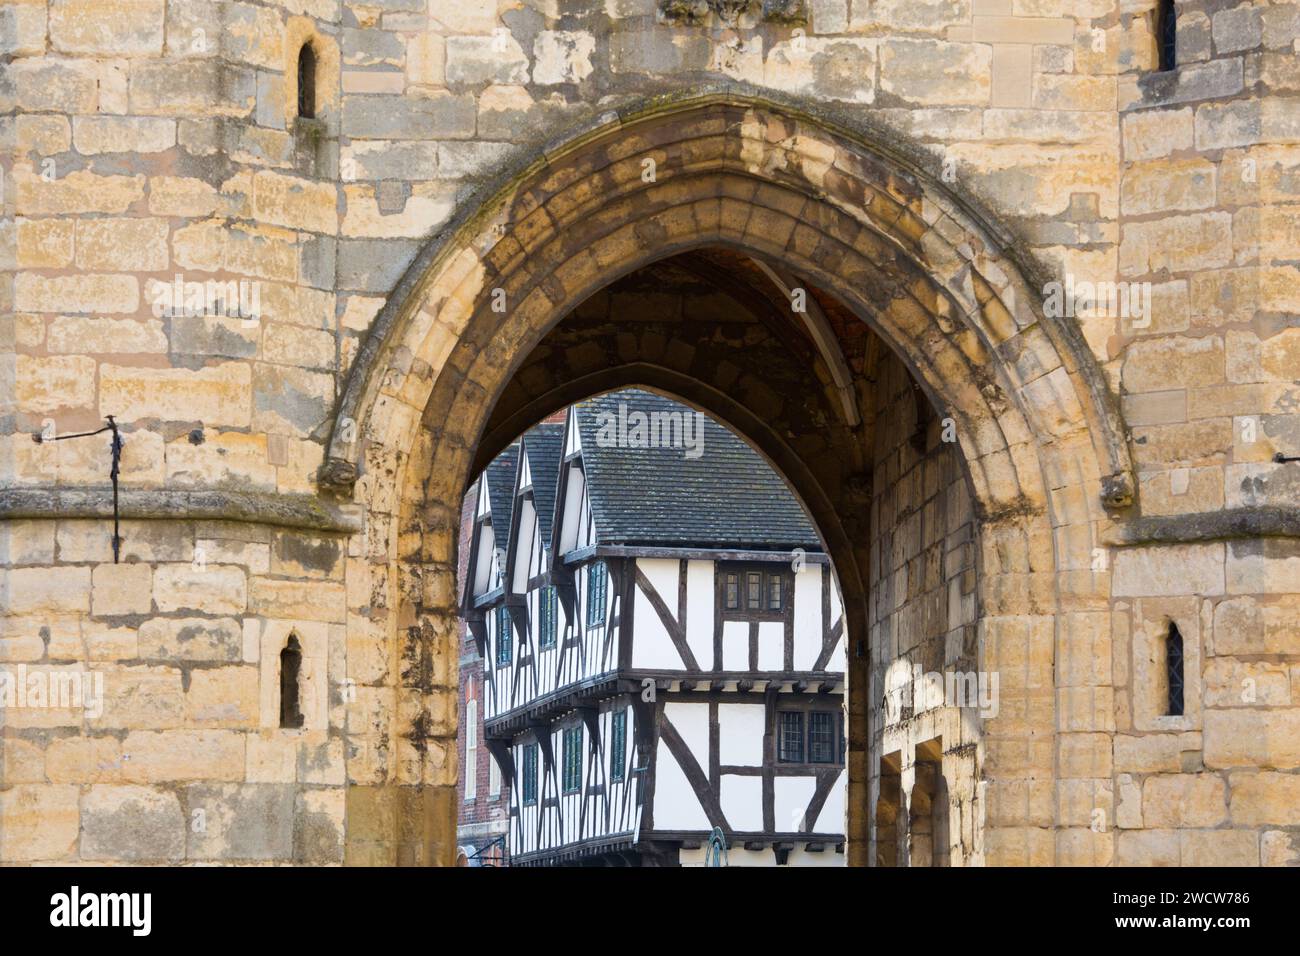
<point x="1166" y="35"/>
<point x="754" y="591"/>
<point x="618" y="746"/>
<point x="548" y="624"/>
<point x="307" y="82"/>
<point x="596" y="583"/>
<point x="290" y="671"/>
<point x="1174" y="667"/>
<point x="505" y="649"/>
<point x="572" y="781"/>
<point x="529" y="785"/>
<point x="732" y="602"/>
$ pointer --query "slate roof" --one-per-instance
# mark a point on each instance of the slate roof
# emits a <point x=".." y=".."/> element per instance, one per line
<point x="545" y="446"/>
<point x="500" y="475"/>
<point x="727" y="497"/>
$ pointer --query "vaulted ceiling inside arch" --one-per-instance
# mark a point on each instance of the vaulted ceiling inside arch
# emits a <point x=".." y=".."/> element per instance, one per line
<point x="715" y="315"/>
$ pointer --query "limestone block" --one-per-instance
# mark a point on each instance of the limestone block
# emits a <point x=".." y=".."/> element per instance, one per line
<point x="212" y="589"/>
<point x="217" y="394"/>
<point x="223" y="697"/>
<point x="107" y="27"/>
<point x="132" y="824"/>
<point x="93" y="135"/>
<point x="176" y="755"/>
<point x="121" y="589"/>
<point x="1252" y="738"/>
<point x="41" y="823"/>
<point x="1184" y="800"/>
<point x="935" y="73"/>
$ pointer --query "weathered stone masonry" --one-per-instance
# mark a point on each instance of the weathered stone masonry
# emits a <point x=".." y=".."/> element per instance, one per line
<point x="925" y="169"/>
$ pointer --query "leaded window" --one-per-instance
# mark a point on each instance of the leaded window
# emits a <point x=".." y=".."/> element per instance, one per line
<point x="618" y="746"/>
<point x="548" y="618"/>
<point x="504" y="642"/>
<point x="572" y="779"/>
<point x="597" y="581"/>
<point x="530" y="774"/>
<point x="789" y="737"/>
<point x="821" y="737"/>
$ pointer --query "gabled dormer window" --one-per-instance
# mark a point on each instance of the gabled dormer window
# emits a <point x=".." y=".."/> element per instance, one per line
<point x="597" y="582"/>
<point x="547" y="615"/>
<point x="504" y="641"/>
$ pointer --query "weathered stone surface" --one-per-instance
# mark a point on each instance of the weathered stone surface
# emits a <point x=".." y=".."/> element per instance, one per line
<point x="241" y="822"/>
<point x="136" y="824"/>
<point x="40" y="823"/>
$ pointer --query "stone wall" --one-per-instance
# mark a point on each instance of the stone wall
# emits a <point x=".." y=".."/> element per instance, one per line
<point x="923" y="622"/>
<point x="149" y="139"/>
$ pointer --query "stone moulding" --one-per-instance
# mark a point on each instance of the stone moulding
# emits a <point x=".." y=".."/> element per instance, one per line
<point x="277" y="510"/>
<point x="1206" y="526"/>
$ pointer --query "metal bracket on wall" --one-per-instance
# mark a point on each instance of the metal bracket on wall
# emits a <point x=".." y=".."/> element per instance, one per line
<point x="113" y="472"/>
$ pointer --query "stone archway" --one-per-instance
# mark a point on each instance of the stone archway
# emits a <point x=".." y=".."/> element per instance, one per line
<point x="1038" y="434"/>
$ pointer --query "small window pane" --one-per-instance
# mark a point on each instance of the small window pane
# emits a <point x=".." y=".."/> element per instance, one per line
<point x="774" y="592"/>
<point x="790" y="737"/>
<point x="821" y="737"/>
<point x="732" y="600"/>
<point x="754" y="594"/>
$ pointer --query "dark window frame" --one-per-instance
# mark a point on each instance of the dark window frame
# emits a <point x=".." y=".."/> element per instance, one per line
<point x="528" y="783"/>
<point x="618" y="746"/>
<point x="571" y="754"/>
<point x="783" y="719"/>
<point x="739" y="598"/>
<point x="806" y="712"/>
<point x="505" y="638"/>
<point x="548" y="605"/>
<point x="597" y="585"/>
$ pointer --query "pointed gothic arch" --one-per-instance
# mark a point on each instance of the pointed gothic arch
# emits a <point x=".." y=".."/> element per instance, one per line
<point x="935" y="279"/>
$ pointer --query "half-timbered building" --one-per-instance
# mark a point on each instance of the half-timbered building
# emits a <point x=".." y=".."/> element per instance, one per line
<point x="663" y="645"/>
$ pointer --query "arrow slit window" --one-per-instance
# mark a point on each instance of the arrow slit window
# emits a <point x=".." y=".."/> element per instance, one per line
<point x="1174" y="670"/>
<point x="290" y="673"/>
<point x="1166" y="35"/>
<point x="307" y="82"/>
